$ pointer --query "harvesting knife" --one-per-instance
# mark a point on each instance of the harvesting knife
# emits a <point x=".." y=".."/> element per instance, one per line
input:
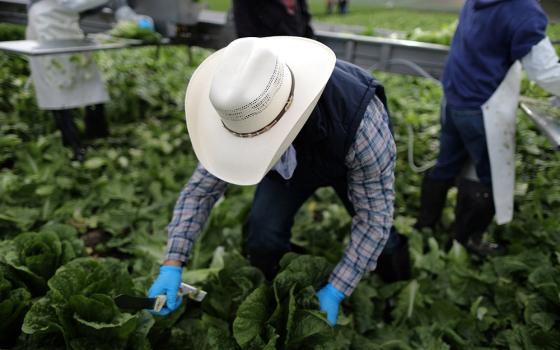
<point x="157" y="303"/>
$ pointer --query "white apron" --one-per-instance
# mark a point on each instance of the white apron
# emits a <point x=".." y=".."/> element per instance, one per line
<point x="62" y="81"/>
<point x="499" y="114"/>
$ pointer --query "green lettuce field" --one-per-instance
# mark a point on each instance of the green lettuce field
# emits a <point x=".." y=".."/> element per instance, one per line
<point x="74" y="235"/>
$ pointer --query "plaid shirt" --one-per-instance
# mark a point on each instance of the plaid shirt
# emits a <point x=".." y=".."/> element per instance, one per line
<point x="371" y="163"/>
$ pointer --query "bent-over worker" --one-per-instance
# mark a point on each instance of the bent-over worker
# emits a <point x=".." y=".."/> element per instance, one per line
<point x="292" y="18"/>
<point x="283" y="113"/>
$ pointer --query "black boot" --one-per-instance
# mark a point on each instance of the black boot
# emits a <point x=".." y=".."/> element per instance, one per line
<point x="473" y="214"/>
<point x="70" y="136"/>
<point x="394" y="262"/>
<point x="96" y="122"/>
<point x="477" y="245"/>
<point x="432" y="201"/>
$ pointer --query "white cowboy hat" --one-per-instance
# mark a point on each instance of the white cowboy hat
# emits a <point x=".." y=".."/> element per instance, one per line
<point x="246" y="103"/>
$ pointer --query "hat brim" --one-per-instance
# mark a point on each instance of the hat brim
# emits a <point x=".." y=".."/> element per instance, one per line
<point x="245" y="161"/>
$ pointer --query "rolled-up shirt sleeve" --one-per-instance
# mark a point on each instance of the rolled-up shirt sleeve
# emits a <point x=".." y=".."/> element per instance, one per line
<point x="542" y="66"/>
<point x="191" y="212"/>
<point x="371" y="163"/>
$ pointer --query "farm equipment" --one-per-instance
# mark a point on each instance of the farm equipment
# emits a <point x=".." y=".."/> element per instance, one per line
<point x="546" y="116"/>
<point x="186" y="22"/>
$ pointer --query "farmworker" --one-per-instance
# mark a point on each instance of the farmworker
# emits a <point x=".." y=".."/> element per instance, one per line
<point x="394" y="263"/>
<point x="262" y="18"/>
<point x="342" y="6"/>
<point x="65" y="82"/>
<point x="283" y="113"/>
<point x="481" y="84"/>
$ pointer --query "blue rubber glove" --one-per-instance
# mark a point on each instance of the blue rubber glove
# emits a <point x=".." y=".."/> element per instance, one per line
<point x="330" y="299"/>
<point x="168" y="283"/>
<point x="145" y="22"/>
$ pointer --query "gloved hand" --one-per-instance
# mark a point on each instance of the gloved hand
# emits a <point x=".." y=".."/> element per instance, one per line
<point x="145" y="22"/>
<point x="125" y="13"/>
<point x="330" y="299"/>
<point x="168" y="283"/>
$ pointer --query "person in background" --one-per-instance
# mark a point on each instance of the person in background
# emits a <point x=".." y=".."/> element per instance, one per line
<point x="342" y="6"/>
<point x="66" y="82"/>
<point x="481" y="84"/>
<point x="292" y="18"/>
<point x="283" y="113"/>
<point x="261" y="18"/>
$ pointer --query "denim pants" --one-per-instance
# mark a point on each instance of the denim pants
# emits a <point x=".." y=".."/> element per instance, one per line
<point x="462" y="137"/>
<point x="275" y="205"/>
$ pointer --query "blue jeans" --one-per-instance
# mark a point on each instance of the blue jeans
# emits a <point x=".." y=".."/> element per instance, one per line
<point x="462" y="137"/>
<point x="275" y="205"/>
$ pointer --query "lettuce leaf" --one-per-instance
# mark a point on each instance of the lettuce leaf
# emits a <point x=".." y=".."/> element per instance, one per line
<point x="249" y="326"/>
<point x="230" y="287"/>
<point x="286" y="315"/>
<point x="15" y="300"/>
<point x="36" y="256"/>
<point x="80" y="311"/>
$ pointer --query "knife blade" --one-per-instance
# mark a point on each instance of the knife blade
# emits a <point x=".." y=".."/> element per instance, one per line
<point x="131" y="302"/>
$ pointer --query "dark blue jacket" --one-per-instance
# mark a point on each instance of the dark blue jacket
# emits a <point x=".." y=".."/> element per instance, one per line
<point x="490" y="37"/>
<point x="322" y="144"/>
<point x="270" y="18"/>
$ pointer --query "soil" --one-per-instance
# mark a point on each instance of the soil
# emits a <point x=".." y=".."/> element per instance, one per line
<point x="95" y="237"/>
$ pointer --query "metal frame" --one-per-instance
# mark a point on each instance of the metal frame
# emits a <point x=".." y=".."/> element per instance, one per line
<point x="34" y="48"/>
<point x="389" y="55"/>
<point x="215" y="30"/>
<point x="549" y="127"/>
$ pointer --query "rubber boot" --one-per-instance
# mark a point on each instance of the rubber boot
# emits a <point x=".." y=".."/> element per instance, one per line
<point x="96" y="122"/>
<point x="432" y="201"/>
<point x="70" y="135"/>
<point x="394" y="262"/>
<point x="473" y="214"/>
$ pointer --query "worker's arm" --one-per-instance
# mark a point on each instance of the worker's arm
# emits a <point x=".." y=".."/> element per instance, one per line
<point x="191" y="212"/>
<point x="542" y="66"/>
<point x="371" y="161"/>
<point x="531" y="46"/>
<point x="189" y="216"/>
<point x="371" y="164"/>
<point x="123" y="12"/>
<point x="119" y="3"/>
<point x="79" y="6"/>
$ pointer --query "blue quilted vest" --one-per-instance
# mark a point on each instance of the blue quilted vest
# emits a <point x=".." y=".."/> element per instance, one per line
<point x="322" y="144"/>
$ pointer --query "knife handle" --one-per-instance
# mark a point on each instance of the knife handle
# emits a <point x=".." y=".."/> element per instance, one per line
<point x="160" y="302"/>
<point x="191" y="292"/>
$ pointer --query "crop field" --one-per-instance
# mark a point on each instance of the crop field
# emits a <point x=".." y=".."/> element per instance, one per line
<point x="74" y="235"/>
<point x="363" y="13"/>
